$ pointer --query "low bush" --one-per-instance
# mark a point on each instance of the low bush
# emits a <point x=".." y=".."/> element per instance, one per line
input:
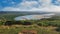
<point x="1" y="23"/>
<point x="43" y="24"/>
<point x="9" y="23"/>
<point x="27" y="23"/>
<point x="58" y="29"/>
<point x="49" y="23"/>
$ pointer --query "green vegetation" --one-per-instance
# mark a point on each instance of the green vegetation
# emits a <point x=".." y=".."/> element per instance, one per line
<point x="15" y="29"/>
<point x="43" y="26"/>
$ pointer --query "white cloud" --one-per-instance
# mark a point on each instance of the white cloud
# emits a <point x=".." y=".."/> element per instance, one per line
<point x="40" y="5"/>
<point x="27" y="5"/>
<point x="58" y="0"/>
<point x="11" y="9"/>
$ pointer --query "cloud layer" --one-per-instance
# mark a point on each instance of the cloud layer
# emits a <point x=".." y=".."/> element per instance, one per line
<point x="40" y="5"/>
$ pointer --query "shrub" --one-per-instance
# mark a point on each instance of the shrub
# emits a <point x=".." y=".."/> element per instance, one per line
<point x="27" y="23"/>
<point x="1" y="23"/>
<point x="43" y="24"/>
<point x="56" y="24"/>
<point x="58" y="29"/>
<point x="18" y="22"/>
<point x="9" y="23"/>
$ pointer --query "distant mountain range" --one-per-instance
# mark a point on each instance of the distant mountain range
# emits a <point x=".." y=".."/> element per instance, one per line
<point x="25" y="12"/>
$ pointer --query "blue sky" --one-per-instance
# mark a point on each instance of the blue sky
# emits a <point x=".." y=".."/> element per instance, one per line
<point x="29" y="5"/>
<point x="5" y="3"/>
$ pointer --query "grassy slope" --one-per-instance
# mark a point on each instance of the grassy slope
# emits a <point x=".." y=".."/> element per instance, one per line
<point x="18" y="28"/>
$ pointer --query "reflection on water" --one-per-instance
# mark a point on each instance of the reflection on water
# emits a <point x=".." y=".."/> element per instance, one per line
<point x="33" y="17"/>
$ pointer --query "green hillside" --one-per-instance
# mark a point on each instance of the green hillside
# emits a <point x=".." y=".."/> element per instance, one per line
<point x="44" y="26"/>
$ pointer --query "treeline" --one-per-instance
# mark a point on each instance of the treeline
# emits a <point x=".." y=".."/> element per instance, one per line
<point x="43" y="22"/>
<point x="9" y="23"/>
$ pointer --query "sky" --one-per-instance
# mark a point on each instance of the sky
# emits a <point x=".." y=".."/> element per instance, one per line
<point x="30" y="5"/>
